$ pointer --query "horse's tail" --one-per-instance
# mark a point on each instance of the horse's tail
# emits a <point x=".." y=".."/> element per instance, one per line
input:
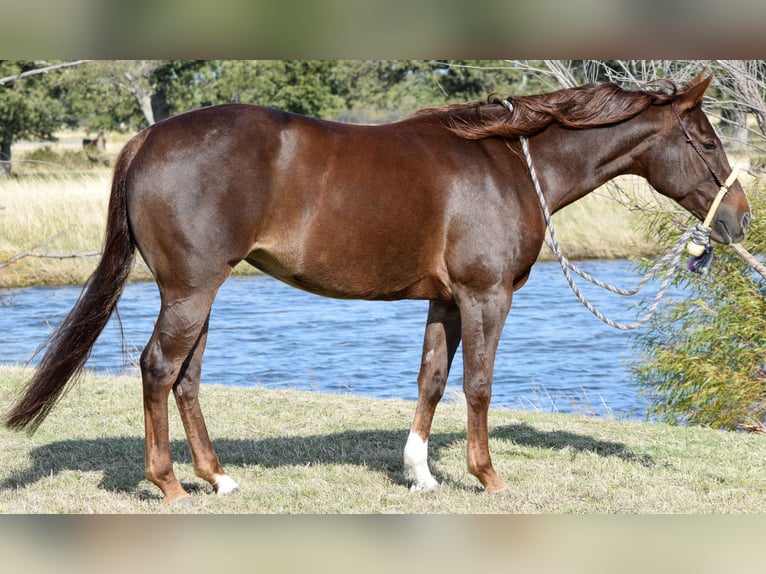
<point x="69" y="346"/>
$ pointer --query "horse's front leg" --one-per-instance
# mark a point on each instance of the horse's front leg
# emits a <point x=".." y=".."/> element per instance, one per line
<point x="441" y="339"/>
<point x="483" y="316"/>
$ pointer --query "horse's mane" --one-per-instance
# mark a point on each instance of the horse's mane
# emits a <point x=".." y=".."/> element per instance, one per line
<point x="582" y="107"/>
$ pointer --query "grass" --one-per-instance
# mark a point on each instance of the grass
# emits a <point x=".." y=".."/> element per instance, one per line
<point x="304" y="452"/>
<point x="71" y="210"/>
<point x="602" y="226"/>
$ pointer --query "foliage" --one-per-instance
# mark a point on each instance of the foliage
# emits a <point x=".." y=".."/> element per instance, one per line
<point x="703" y="358"/>
<point x="380" y="90"/>
<point x="126" y="95"/>
<point x="362" y="90"/>
<point x="110" y="95"/>
<point x="27" y="109"/>
<point x="301" y="86"/>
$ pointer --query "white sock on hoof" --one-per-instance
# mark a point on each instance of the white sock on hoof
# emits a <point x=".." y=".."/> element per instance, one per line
<point x="225" y="485"/>
<point x="416" y="464"/>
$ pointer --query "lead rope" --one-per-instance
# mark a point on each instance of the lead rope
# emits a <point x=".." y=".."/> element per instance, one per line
<point x="669" y="261"/>
<point x="697" y="234"/>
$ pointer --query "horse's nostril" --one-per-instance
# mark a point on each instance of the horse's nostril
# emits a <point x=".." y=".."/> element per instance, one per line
<point x="746" y="221"/>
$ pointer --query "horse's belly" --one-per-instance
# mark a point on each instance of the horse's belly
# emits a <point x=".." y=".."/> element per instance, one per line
<point x="344" y="279"/>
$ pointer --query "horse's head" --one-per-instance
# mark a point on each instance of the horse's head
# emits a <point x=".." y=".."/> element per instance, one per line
<point x="686" y="161"/>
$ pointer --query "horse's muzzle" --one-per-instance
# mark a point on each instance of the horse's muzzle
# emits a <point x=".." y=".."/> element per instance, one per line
<point x="729" y="228"/>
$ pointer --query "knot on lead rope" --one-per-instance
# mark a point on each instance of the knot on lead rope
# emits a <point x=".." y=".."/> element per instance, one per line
<point x="700" y="235"/>
<point x="699" y="239"/>
<point x="700" y="248"/>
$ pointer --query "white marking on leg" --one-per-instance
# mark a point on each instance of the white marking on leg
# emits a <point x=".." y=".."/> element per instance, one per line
<point x="416" y="463"/>
<point x="429" y="356"/>
<point x="224" y="484"/>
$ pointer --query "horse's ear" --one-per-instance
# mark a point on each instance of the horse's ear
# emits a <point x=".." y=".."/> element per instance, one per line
<point x="692" y="96"/>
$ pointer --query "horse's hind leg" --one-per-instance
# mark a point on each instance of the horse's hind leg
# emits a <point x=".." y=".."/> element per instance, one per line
<point x="186" y="391"/>
<point x="441" y="339"/>
<point x="172" y="359"/>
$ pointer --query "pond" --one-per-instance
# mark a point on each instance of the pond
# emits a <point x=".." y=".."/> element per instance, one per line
<point x="554" y="355"/>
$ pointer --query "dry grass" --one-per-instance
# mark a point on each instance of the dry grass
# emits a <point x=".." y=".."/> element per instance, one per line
<point x="302" y="452"/>
<point x="62" y="215"/>
<point x="606" y="224"/>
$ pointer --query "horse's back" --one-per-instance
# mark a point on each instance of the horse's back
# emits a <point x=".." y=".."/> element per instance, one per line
<point x="340" y="210"/>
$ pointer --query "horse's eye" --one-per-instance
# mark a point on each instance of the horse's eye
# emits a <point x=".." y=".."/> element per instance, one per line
<point x="709" y="145"/>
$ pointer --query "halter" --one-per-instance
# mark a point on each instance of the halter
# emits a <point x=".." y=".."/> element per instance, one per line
<point x="696" y="146"/>
<point x="694" y="247"/>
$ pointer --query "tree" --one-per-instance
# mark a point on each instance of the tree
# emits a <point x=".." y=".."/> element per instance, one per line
<point x="702" y="360"/>
<point x="26" y="106"/>
<point x="108" y="95"/>
<point x="742" y="92"/>
<point x="463" y="80"/>
<point x="134" y="77"/>
<point x="301" y="86"/>
<point x="128" y="95"/>
<point x="381" y="90"/>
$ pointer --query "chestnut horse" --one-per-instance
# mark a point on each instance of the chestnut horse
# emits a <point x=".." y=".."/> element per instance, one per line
<point x="438" y="206"/>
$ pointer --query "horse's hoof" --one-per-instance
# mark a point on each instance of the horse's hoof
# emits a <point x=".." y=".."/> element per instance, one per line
<point x="497" y="489"/>
<point x="185" y="501"/>
<point x="225" y="485"/>
<point x="425" y="486"/>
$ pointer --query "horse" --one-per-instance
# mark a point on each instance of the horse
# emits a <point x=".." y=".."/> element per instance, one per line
<point x="437" y="206"/>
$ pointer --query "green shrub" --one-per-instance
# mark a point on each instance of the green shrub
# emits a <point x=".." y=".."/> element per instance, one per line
<point x="702" y="359"/>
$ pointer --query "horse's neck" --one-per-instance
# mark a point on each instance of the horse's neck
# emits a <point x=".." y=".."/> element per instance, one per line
<point x="572" y="163"/>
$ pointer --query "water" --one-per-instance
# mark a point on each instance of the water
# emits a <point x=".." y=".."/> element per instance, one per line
<point x="554" y="355"/>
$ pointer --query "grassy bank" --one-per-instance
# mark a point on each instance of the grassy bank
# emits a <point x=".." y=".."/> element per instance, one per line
<point x="56" y="216"/>
<point x="302" y="452"/>
<point x="64" y="215"/>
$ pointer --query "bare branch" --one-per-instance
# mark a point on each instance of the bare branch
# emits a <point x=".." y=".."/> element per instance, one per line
<point x="562" y="72"/>
<point x="44" y="70"/>
<point x="750" y="259"/>
<point x="558" y="70"/>
<point x="24" y="254"/>
<point x="30" y="252"/>
<point x="83" y="255"/>
<point x="746" y="85"/>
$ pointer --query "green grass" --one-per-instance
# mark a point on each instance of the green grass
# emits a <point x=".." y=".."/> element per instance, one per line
<point x="303" y="452"/>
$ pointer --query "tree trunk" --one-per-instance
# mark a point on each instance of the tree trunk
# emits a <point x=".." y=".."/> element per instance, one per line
<point x="5" y="158"/>
<point x="160" y="106"/>
<point x="735" y="127"/>
<point x="144" y="99"/>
